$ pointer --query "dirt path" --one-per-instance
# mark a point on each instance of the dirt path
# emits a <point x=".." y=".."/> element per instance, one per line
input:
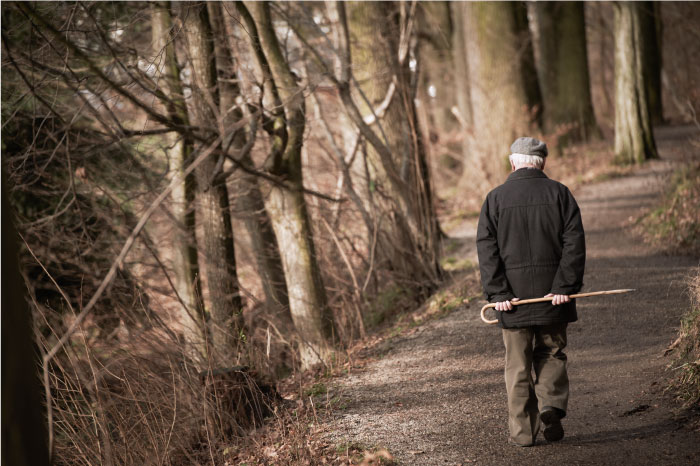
<point x="437" y="396"/>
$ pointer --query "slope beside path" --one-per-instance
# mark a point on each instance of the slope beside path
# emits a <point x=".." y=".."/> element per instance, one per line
<point x="437" y="396"/>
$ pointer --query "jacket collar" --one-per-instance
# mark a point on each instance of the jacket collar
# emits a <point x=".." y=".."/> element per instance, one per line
<point x="524" y="173"/>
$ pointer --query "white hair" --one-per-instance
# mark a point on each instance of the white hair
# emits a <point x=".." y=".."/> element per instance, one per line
<point x="524" y="160"/>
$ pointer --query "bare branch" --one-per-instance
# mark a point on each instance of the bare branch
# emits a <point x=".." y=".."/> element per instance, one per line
<point x="39" y="20"/>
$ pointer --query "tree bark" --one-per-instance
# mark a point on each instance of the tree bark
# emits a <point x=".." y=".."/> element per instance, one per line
<point x="286" y="206"/>
<point x="435" y="65"/>
<point x="212" y="204"/>
<point x="650" y="21"/>
<point x="461" y="65"/>
<point x="634" y="140"/>
<point x="24" y="434"/>
<point x="178" y="151"/>
<point x="505" y="95"/>
<point x="563" y="70"/>
<point x="399" y="184"/>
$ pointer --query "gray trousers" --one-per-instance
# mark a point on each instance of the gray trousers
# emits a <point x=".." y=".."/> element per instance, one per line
<point x="550" y="385"/>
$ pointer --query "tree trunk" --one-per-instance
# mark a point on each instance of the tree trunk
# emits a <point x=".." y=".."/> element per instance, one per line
<point x="435" y="65"/>
<point x="563" y="70"/>
<point x="25" y="440"/>
<point x="248" y="199"/>
<point x="178" y="151"/>
<point x="213" y="211"/>
<point x="461" y="65"/>
<point x="505" y="95"/>
<point x="251" y="208"/>
<point x="650" y="21"/>
<point x="286" y="205"/>
<point x="399" y="186"/>
<point x="634" y="140"/>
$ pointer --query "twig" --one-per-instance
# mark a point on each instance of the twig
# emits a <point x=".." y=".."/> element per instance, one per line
<point x="371" y="258"/>
<point x="406" y="30"/>
<point x="343" y="160"/>
<point x="172" y="425"/>
<point x="379" y="112"/>
<point x="692" y="113"/>
<point x="342" y="253"/>
<point x="344" y="85"/>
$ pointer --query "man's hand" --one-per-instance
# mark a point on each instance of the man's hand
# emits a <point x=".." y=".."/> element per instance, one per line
<point x="506" y="305"/>
<point x="558" y="299"/>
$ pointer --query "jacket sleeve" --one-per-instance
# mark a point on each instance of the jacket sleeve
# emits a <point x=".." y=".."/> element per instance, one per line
<point x="569" y="277"/>
<point x="491" y="266"/>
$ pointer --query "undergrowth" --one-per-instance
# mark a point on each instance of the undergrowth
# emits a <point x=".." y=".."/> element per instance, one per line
<point x="441" y="303"/>
<point x="675" y="225"/>
<point x="686" y="365"/>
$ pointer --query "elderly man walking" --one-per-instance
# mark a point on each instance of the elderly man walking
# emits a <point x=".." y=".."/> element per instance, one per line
<point x="531" y="244"/>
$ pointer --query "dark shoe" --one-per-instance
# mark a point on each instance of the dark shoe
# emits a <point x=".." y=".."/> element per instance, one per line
<point x="513" y="442"/>
<point x="551" y="418"/>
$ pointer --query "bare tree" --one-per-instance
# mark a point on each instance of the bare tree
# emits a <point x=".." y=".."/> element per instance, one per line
<point x="436" y="67"/>
<point x="651" y="25"/>
<point x="249" y="205"/>
<point x="634" y="139"/>
<point x="562" y="67"/>
<point x="212" y="199"/>
<point x="178" y="148"/>
<point x="285" y="201"/>
<point x="459" y="10"/>
<point x="505" y="95"/>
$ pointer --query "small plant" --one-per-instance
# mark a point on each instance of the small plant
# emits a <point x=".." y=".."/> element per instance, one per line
<point x="396" y="331"/>
<point x="317" y="389"/>
<point x="349" y="447"/>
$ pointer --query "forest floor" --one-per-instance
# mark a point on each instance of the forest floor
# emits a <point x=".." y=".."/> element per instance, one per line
<point x="436" y="395"/>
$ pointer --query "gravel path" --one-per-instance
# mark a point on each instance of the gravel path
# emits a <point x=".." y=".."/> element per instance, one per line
<point x="437" y="395"/>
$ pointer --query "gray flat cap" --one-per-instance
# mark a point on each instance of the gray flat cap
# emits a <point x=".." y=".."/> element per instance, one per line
<point x="529" y="146"/>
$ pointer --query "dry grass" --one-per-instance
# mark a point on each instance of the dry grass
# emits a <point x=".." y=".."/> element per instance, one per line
<point x="685" y="382"/>
<point x="146" y="402"/>
<point x="294" y="437"/>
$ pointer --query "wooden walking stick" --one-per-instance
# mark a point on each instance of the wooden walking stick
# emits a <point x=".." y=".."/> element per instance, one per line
<point x="542" y="300"/>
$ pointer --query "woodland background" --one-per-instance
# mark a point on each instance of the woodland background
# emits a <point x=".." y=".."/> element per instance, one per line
<point x="214" y="197"/>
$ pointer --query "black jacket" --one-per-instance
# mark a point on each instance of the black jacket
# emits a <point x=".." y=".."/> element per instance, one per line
<point x="530" y="242"/>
